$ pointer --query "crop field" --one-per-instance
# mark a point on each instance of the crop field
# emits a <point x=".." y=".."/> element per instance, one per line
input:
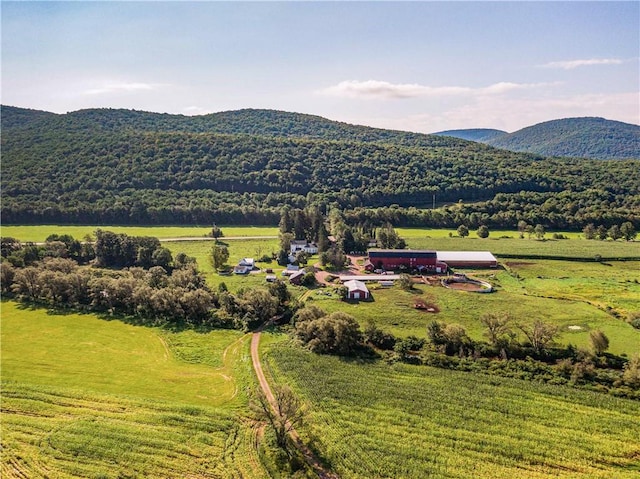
<point x="376" y="420"/>
<point x="85" y="397"/>
<point x="38" y="233"/>
<point x="70" y="433"/>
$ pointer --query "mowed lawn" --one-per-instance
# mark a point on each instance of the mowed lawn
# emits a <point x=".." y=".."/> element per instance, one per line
<point x="87" y="397"/>
<point x="238" y="249"/>
<point x="376" y="420"/>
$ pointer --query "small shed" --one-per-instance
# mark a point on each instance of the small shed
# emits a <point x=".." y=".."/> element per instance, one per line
<point x="296" y="278"/>
<point x="356" y="290"/>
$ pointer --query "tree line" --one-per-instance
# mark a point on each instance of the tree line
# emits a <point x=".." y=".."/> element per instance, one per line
<point x="535" y="357"/>
<point x="132" y="277"/>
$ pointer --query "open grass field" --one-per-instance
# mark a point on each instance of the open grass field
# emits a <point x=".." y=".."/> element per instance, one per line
<point x="376" y="420"/>
<point x="83" y="352"/>
<point x="38" y="233"/>
<point x="411" y="233"/>
<point x="85" y="397"/>
<point x="570" y="248"/>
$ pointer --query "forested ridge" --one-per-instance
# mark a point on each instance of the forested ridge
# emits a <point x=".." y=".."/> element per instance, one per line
<point x="587" y="137"/>
<point x="482" y="135"/>
<point x="120" y="166"/>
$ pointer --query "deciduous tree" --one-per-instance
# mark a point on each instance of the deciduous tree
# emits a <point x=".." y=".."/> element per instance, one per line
<point x="483" y="231"/>
<point x="628" y="231"/>
<point x="219" y="255"/>
<point x="539" y="334"/>
<point x="284" y="414"/>
<point x="599" y="341"/>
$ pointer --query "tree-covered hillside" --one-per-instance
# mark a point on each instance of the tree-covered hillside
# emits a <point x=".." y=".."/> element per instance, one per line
<point x="577" y="137"/>
<point x="119" y="167"/>
<point x="269" y="123"/>
<point x="483" y="135"/>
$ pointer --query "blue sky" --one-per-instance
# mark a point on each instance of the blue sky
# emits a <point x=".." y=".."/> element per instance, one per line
<point x="419" y="66"/>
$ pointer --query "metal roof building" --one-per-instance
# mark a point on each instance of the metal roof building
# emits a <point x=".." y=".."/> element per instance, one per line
<point x="468" y="259"/>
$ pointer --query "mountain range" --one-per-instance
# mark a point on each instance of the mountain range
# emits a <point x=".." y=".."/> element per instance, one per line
<point x="587" y="137"/>
<point x="115" y="166"/>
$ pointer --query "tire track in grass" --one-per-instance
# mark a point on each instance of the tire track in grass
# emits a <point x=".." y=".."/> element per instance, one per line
<point x="309" y="456"/>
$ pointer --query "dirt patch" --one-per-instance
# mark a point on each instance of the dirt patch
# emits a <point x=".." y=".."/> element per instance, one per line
<point x="466" y="286"/>
<point x="425" y="307"/>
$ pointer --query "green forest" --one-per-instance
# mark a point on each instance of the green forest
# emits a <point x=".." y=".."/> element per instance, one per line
<point x="128" y="167"/>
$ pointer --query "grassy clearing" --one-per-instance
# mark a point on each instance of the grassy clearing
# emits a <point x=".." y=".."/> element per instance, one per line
<point x="84" y="353"/>
<point x="238" y="249"/>
<point x="615" y="285"/>
<point x="376" y="420"/>
<point x="411" y="233"/>
<point x="392" y="309"/>
<point x="38" y="233"/>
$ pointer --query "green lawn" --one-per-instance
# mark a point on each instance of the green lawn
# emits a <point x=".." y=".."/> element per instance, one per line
<point x="238" y="249"/>
<point x="410" y="233"/>
<point x="376" y="420"/>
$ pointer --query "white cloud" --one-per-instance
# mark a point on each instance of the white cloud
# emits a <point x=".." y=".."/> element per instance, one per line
<point x="123" y="87"/>
<point x="195" y="110"/>
<point x="571" y="64"/>
<point x="511" y="114"/>
<point x="383" y="89"/>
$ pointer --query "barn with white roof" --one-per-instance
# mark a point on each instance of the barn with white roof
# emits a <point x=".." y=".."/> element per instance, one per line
<point x="356" y="290"/>
<point x="468" y="259"/>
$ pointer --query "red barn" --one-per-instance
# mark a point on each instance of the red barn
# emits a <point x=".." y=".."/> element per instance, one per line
<point x="394" y="259"/>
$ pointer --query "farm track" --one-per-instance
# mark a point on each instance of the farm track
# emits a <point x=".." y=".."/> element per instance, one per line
<point x="309" y="456"/>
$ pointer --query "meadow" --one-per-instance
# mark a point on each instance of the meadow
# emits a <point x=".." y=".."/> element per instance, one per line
<point x="509" y="243"/>
<point x="38" y="233"/>
<point x="377" y="420"/>
<point x="86" y="397"/>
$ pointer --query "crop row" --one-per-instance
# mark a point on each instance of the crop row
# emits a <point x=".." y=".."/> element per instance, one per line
<point x="71" y="434"/>
<point x="379" y="420"/>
